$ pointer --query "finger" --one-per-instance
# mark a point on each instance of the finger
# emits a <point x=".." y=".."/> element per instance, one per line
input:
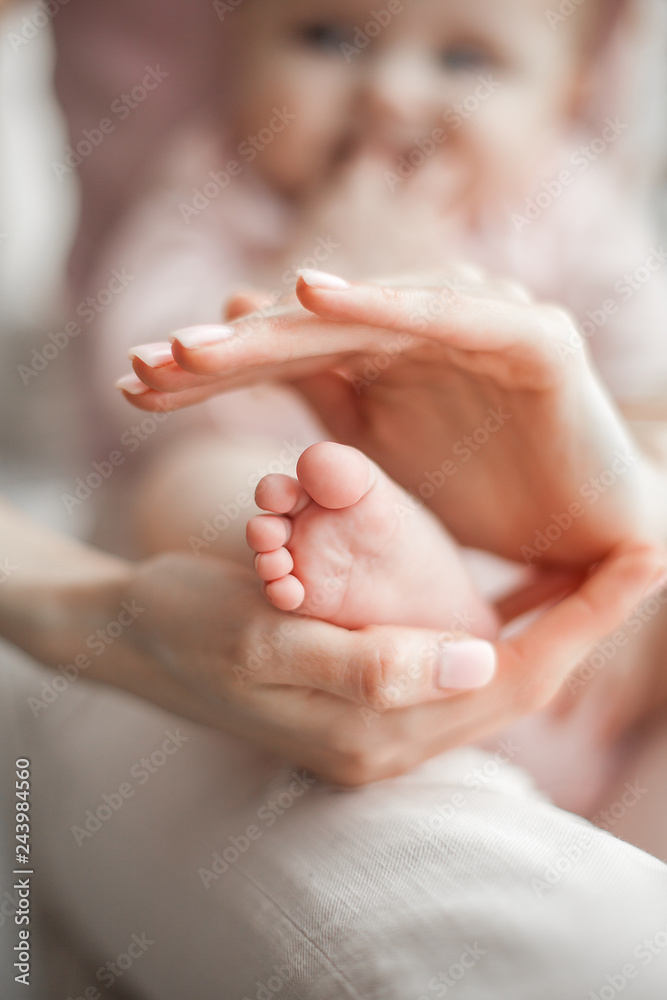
<point x="444" y="315"/>
<point x="168" y="377"/>
<point x="381" y="667"/>
<point x="173" y="379"/>
<point x="247" y="300"/>
<point x="548" y="586"/>
<point x="277" y="338"/>
<point x="553" y="644"/>
<point x="152" y="402"/>
<point x="386" y="667"/>
<point x="532" y="666"/>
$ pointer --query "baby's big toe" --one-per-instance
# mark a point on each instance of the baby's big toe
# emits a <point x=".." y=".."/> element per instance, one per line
<point x="334" y="475"/>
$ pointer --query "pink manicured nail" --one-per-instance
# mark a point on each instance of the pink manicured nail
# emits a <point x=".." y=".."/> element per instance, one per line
<point x="202" y="336"/>
<point x="320" y="279"/>
<point x="133" y="385"/>
<point x="466" y="665"/>
<point x="153" y="355"/>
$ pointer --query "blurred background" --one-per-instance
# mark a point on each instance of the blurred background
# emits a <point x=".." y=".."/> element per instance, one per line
<point x="40" y="455"/>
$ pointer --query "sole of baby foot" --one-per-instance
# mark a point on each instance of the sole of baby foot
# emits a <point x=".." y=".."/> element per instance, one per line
<point x="344" y="543"/>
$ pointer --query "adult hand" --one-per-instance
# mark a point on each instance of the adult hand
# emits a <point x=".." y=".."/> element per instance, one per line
<point x="353" y="706"/>
<point x="476" y="399"/>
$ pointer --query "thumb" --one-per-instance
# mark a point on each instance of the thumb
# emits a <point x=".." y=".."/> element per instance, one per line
<point x="382" y="666"/>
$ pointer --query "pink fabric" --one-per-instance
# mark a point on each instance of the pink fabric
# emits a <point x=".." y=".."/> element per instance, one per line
<point x="103" y="51"/>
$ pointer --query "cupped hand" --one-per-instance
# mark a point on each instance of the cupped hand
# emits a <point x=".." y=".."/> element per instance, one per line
<point x="353" y="706"/>
<point x="482" y="403"/>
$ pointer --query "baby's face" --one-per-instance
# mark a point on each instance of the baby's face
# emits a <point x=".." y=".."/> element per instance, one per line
<point x="494" y="75"/>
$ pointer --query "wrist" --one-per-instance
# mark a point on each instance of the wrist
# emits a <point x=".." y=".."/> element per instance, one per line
<point x="54" y="617"/>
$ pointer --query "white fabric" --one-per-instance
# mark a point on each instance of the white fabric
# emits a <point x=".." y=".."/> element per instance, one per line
<point x="378" y="893"/>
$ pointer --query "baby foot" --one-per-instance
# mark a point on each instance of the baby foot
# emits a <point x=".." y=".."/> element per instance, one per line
<point x="343" y="544"/>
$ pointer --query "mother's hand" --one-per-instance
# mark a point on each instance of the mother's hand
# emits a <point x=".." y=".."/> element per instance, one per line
<point x="476" y="399"/>
<point x="353" y="706"/>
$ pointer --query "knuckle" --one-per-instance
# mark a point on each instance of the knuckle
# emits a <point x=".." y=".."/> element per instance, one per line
<point x="390" y="294"/>
<point x="355" y="770"/>
<point x="377" y="672"/>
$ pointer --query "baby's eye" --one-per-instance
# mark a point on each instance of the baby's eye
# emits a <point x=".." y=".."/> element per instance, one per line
<point x="466" y="59"/>
<point x="325" y="37"/>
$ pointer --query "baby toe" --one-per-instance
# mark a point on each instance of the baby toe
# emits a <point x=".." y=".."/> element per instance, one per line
<point x="274" y="565"/>
<point x="265" y="532"/>
<point x="287" y="594"/>
<point x="280" y="494"/>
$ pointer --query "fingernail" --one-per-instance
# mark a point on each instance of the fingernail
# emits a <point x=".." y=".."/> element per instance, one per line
<point x="133" y="385"/>
<point x="466" y="665"/>
<point x="202" y="336"/>
<point x="153" y="355"/>
<point x="320" y="279"/>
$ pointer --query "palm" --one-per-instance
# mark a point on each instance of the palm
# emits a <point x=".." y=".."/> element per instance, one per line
<point x="495" y="447"/>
